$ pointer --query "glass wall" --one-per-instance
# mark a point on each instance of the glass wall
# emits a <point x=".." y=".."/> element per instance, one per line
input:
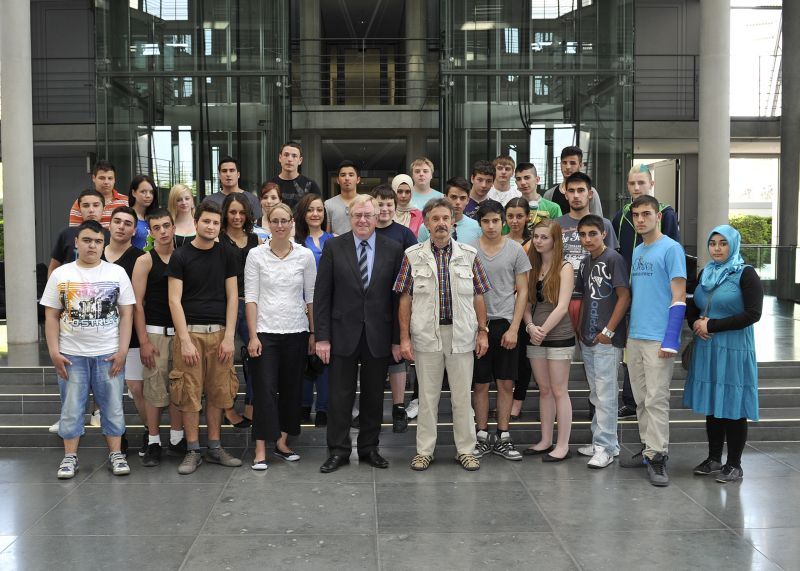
<point x="528" y="78"/>
<point x="182" y="83"/>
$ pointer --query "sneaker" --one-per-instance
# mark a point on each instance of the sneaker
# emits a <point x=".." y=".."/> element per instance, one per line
<point x="54" y="427"/>
<point x="145" y="444"/>
<point x="657" y="470"/>
<point x="118" y="464"/>
<point x="483" y="445"/>
<point x="178" y="449"/>
<point x="636" y="460"/>
<point x="289" y="456"/>
<point x="708" y="467"/>
<point x="222" y="457"/>
<point x="321" y="418"/>
<point x="600" y="459"/>
<point x="730" y="474"/>
<point x="260" y="465"/>
<point x="626" y="412"/>
<point x="412" y="410"/>
<point x="190" y="462"/>
<point x="399" y="422"/>
<point x="68" y="467"/>
<point x="152" y="456"/>
<point x="95" y="419"/>
<point x="504" y="447"/>
<point x="587" y="450"/>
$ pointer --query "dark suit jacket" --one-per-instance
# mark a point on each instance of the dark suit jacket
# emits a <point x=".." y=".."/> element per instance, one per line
<point x="342" y="309"/>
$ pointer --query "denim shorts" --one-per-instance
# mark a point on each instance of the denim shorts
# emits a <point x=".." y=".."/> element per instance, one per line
<point x="85" y="374"/>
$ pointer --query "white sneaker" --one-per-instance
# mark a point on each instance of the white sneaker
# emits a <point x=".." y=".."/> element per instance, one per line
<point x="412" y="410"/>
<point x="95" y="418"/>
<point x="601" y="459"/>
<point x="68" y="467"/>
<point x="118" y="464"/>
<point x="587" y="450"/>
<point x="54" y="427"/>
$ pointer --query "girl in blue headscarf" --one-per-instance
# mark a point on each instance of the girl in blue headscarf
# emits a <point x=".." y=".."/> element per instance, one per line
<point x="723" y="377"/>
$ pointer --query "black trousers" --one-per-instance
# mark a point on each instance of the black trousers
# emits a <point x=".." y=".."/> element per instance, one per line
<point x="278" y="384"/>
<point x="523" y="366"/>
<point x="342" y="387"/>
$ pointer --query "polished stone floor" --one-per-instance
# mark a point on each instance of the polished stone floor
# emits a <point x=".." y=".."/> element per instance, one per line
<point x="527" y="515"/>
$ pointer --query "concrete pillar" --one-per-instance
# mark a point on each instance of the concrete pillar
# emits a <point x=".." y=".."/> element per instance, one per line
<point x="415" y="148"/>
<point x="310" y="53"/>
<point x="17" y="144"/>
<point x="790" y="153"/>
<point x="312" y="158"/>
<point x="415" y="52"/>
<point x="715" y="120"/>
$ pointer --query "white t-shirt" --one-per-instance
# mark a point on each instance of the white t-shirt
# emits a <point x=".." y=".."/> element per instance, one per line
<point x="504" y="196"/>
<point x="90" y="300"/>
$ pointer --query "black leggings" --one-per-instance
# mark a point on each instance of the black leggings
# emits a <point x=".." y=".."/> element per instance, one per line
<point x="734" y="431"/>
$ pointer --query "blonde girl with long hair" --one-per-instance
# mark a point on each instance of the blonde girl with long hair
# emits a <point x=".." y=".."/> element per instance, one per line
<point x="181" y="205"/>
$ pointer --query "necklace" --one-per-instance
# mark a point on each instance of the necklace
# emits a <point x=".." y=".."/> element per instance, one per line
<point x="279" y="256"/>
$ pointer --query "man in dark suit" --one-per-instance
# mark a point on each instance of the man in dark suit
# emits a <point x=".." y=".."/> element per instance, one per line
<point x="355" y="317"/>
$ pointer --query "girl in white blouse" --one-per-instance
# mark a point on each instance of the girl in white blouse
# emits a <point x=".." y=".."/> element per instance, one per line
<point x="279" y="291"/>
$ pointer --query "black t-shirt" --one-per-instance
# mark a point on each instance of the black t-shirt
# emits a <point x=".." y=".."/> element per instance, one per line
<point x="156" y="297"/>
<point x="127" y="260"/>
<point x="203" y="273"/>
<point x="64" y="249"/>
<point x="399" y="233"/>
<point x="560" y="198"/>
<point x="293" y="190"/>
<point x="241" y="253"/>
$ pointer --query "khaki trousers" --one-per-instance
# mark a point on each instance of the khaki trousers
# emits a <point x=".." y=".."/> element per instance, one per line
<point x="650" y="379"/>
<point x="430" y="372"/>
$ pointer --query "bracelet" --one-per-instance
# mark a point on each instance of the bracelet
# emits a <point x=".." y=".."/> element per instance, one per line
<point x="528" y="326"/>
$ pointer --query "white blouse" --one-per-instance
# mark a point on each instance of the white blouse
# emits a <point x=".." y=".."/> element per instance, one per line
<point x="280" y="288"/>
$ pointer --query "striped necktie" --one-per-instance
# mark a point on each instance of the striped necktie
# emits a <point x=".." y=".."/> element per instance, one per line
<point x="362" y="264"/>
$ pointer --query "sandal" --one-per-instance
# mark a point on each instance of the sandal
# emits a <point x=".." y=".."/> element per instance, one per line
<point x="468" y="462"/>
<point x="421" y="462"/>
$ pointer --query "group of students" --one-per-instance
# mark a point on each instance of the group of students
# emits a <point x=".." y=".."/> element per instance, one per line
<point x="488" y="281"/>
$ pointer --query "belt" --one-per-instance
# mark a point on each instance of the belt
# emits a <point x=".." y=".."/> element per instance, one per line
<point x="205" y="328"/>
<point x="445" y="322"/>
<point x="157" y="329"/>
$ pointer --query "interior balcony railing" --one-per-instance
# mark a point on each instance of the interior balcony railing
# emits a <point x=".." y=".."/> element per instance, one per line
<point x="364" y="73"/>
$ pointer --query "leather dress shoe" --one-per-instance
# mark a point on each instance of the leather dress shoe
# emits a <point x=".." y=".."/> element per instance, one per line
<point x="333" y="463"/>
<point x="374" y="459"/>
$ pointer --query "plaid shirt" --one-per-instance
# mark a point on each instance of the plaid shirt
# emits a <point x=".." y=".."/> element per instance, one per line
<point x="405" y="281"/>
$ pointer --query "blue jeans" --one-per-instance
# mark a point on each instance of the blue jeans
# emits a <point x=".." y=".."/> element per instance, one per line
<point x="602" y="363"/>
<point x="91" y="373"/>
<point x="322" y="391"/>
<point x="244" y="335"/>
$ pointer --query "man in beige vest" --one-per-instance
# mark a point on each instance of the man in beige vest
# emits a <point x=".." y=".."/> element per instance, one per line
<point x="442" y="319"/>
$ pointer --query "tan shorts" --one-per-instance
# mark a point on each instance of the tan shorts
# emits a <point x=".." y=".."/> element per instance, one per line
<point x="551" y="353"/>
<point x="218" y="380"/>
<point x="156" y="380"/>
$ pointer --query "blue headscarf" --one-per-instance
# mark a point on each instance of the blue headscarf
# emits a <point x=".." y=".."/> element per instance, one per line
<point x="716" y="272"/>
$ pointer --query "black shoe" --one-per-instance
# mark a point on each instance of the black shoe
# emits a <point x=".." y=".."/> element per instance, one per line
<point x="550" y="458"/>
<point x="242" y="424"/>
<point x="534" y="452"/>
<point x="305" y="414"/>
<point x="708" y="467"/>
<point x="145" y="444"/>
<point x="625" y="412"/>
<point x="178" y="449"/>
<point x="373" y="459"/>
<point x="334" y="463"/>
<point x="321" y="418"/>
<point x="399" y="422"/>
<point x="123" y="444"/>
<point x="152" y="456"/>
<point x="355" y="422"/>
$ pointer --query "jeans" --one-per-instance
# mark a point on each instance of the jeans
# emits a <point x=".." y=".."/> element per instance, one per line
<point x="602" y="365"/>
<point x="87" y="373"/>
<point x="244" y="335"/>
<point x="322" y="391"/>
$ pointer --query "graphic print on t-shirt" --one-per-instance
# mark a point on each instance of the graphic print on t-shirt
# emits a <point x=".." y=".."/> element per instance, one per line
<point x="88" y="305"/>
<point x="600" y="281"/>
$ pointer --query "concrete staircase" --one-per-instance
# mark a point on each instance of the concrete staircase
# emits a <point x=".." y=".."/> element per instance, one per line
<point x="29" y="404"/>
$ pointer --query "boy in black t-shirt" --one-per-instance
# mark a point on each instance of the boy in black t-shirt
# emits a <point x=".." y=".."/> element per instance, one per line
<point x="203" y="302"/>
<point x="91" y="204"/>
<point x="293" y="185"/>
<point x="602" y="282"/>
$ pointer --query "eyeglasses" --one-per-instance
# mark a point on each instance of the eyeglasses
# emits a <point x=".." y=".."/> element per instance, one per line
<point x="363" y="216"/>
<point x="281" y="222"/>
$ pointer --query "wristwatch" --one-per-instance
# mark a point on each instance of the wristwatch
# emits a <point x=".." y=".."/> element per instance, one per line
<point x="484" y="328"/>
<point x="608" y="333"/>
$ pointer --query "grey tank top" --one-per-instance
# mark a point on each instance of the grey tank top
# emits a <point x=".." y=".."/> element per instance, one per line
<point x="562" y="335"/>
